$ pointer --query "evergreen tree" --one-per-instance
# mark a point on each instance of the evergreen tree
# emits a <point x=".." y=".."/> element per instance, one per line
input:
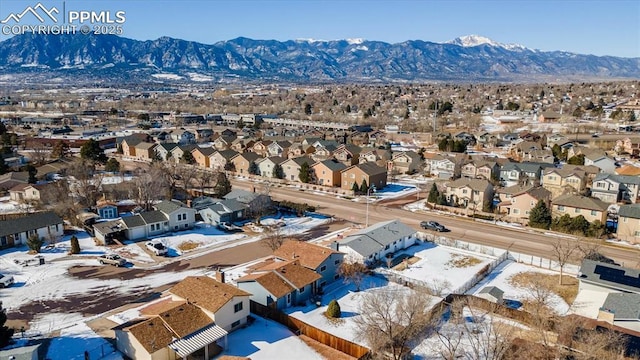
<point x="75" y="245"/>
<point x="32" y="174"/>
<point x="34" y="242"/>
<point x="442" y="199"/>
<point x="305" y="173"/>
<point x="253" y="168"/>
<point x="632" y="117"/>
<point x="576" y="160"/>
<point x="540" y="216"/>
<point x="6" y="333"/>
<point x="229" y="166"/>
<point x="91" y="150"/>
<point x="307" y="109"/>
<point x="355" y="188"/>
<point x="278" y="172"/>
<point x="112" y="165"/>
<point x="364" y="187"/>
<point x="223" y="185"/>
<point x="187" y="158"/>
<point x="433" y="194"/>
<point x="333" y="310"/>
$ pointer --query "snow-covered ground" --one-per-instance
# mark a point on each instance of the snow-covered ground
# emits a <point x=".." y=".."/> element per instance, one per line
<point x="75" y="340"/>
<point x="267" y="340"/>
<point x="391" y="191"/>
<point x="8" y="206"/>
<point x="443" y="267"/>
<point x="501" y="275"/>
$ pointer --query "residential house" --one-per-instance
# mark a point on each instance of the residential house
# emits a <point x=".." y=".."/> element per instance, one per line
<point x="549" y="116"/>
<point x="182" y="137"/>
<point x="297" y="149"/>
<point x="192" y="323"/>
<point x="278" y="148"/>
<point x="376" y="242"/>
<point x="16" y="231"/>
<point x="163" y="151"/>
<point x="145" y="151"/>
<point x="128" y="145"/>
<point x="324" y="150"/>
<point x="291" y="167"/>
<point x="564" y="180"/>
<point x="522" y="150"/>
<point x="241" y="145"/>
<point x="574" y="205"/>
<point x="26" y="193"/>
<point x="557" y="139"/>
<point x="204" y="135"/>
<point x="201" y="156"/>
<point x="367" y="173"/>
<point x="347" y="154"/>
<point x="616" y="289"/>
<point x="11" y="179"/>
<point x="476" y="169"/>
<point x="593" y="156"/>
<point x="324" y="261"/>
<point x="223" y="211"/>
<point x="406" y="162"/>
<point x="256" y="203"/>
<point x="267" y="165"/>
<point x="328" y="172"/>
<point x="107" y="210"/>
<point x="518" y="203"/>
<point x="218" y="160"/>
<point x="540" y="156"/>
<point x="513" y="173"/>
<point x="616" y="188"/>
<point x="281" y="284"/>
<point x="629" y="223"/>
<point x="177" y="153"/>
<point x="242" y="162"/>
<point x="261" y="147"/>
<point x="224" y="142"/>
<point x="380" y="157"/>
<point x="628" y="146"/>
<point x="442" y="167"/>
<point x="180" y="217"/>
<point x="475" y="194"/>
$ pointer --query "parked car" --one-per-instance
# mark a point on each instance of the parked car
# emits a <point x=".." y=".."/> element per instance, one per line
<point x="5" y="281"/>
<point x="432" y="225"/>
<point x="156" y="247"/>
<point x="112" y="259"/>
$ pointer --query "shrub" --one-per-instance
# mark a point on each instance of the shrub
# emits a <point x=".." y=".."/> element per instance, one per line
<point x="34" y="242"/>
<point x="75" y="245"/>
<point x="333" y="310"/>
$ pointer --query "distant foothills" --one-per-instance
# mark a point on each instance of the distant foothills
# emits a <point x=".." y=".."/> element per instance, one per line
<point x="466" y="59"/>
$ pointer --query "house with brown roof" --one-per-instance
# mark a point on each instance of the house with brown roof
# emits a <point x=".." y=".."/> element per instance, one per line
<point x="28" y="192"/>
<point x="406" y="162"/>
<point x="328" y="172"/>
<point x="291" y="167"/>
<point x="261" y="147"/>
<point x="475" y="169"/>
<point x="520" y="203"/>
<point x="201" y="155"/>
<point x="378" y="156"/>
<point x="475" y="194"/>
<point x="193" y="321"/>
<point x="563" y="181"/>
<point x="218" y="160"/>
<point x="323" y="260"/>
<point x="223" y="142"/>
<point x="574" y="205"/>
<point x="369" y="173"/>
<point x="347" y="154"/>
<point x="242" y="162"/>
<point x="281" y="284"/>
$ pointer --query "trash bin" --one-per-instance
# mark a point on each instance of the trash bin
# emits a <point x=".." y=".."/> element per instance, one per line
<point x="41" y="261"/>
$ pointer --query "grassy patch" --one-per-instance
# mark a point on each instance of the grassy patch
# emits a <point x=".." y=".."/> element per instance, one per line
<point x="567" y="291"/>
<point x="333" y="321"/>
<point x="188" y="245"/>
<point x="462" y="261"/>
<point x="404" y="264"/>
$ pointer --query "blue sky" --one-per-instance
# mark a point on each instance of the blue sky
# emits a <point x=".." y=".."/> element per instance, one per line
<point x="588" y="26"/>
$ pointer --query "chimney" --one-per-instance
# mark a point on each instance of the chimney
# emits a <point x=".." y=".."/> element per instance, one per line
<point x="253" y="188"/>
<point x="220" y="276"/>
<point x="189" y="203"/>
<point x="335" y="246"/>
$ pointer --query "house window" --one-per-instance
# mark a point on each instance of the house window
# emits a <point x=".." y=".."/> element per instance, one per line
<point x="289" y="298"/>
<point x="301" y="290"/>
<point x="560" y="208"/>
<point x="464" y="191"/>
<point x="235" y="323"/>
<point x="179" y="217"/>
<point x="237" y="307"/>
<point x="175" y="227"/>
<point x="323" y="268"/>
<point x="636" y="234"/>
<point x="577" y="211"/>
<point x="516" y="211"/>
<point x="386" y="247"/>
<point x="594" y="213"/>
<point x="336" y="262"/>
<point x="624" y="220"/>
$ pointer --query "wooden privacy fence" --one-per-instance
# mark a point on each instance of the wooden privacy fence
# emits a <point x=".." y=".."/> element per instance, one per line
<point x="302" y="328"/>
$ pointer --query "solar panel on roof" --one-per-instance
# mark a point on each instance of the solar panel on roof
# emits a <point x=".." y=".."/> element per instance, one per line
<point x="617" y="276"/>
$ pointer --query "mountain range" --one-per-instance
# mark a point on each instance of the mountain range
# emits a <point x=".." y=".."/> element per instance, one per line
<point x="469" y="58"/>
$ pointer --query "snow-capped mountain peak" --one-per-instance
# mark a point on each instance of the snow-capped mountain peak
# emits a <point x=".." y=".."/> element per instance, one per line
<point x="356" y="41"/>
<point x="476" y="40"/>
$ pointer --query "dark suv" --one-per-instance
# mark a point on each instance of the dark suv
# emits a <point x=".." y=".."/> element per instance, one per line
<point x="432" y="225"/>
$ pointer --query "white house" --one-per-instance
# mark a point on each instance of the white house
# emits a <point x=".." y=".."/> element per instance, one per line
<point x="16" y="231"/>
<point x="377" y="241"/>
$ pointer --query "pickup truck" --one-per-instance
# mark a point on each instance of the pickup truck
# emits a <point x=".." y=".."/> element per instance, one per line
<point x="5" y="281"/>
<point x="432" y="225"/>
<point x="112" y="259"/>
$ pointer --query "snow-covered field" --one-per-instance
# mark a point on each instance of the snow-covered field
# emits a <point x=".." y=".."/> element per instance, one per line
<point x="443" y="267"/>
<point x="75" y="340"/>
<point x="501" y="275"/>
<point x="8" y="206"/>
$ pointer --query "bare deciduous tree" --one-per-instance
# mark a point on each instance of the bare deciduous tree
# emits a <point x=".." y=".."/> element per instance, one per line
<point x="563" y="251"/>
<point x="353" y="272"/>
<point x="391" y="319"/>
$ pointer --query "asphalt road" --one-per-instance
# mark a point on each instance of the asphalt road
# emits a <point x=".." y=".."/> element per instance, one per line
<point x="527" y="241"/>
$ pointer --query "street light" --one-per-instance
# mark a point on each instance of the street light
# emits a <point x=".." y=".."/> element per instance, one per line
<point x="372" y="187"/>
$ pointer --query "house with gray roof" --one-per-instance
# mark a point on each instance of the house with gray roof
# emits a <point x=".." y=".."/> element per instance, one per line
<point x="374" y="243"/>
<point x="475" y="194"/>
<point x="612" y="188"/>
<point x="574" y="205"/>
<point x="15" y="231"/>
<point x="223" y="211"/>
<point x="491" y="293"/>
<point x="628" y="228"/>
<point x="256" y="202"/>
<point x="513" y="173"/>
<point x="621" y="309"/>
